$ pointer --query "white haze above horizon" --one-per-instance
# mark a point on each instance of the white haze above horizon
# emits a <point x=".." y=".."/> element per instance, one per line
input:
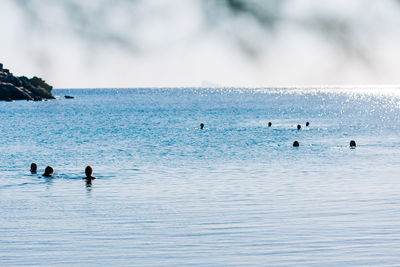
<point x="174" y="44"/>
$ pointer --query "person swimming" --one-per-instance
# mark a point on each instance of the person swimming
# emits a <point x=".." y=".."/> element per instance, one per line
<point x="48" y="172"/>
<point x="33" y="168"/>
<point x="89" y="172"/>
<point x="269" y="124"/>
<point x="201" y="126"/>
<point x="296" y="144"/>
<point x="298" y="126"/>
<point x="353" y="144"/>
<point x="307" y="124"/>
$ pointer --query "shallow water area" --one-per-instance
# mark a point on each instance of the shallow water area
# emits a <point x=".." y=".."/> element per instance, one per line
<point x="234" y="193"/>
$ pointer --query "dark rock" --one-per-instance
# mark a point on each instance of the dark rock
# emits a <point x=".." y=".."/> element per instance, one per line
<point x="22" y="88"/>
<point x="39" y="82"/>
<point x="12" y="79"/>
<point x="10" y="91"/>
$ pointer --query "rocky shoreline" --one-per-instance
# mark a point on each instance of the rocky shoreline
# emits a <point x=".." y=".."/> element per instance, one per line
<point x="22" y="88"/>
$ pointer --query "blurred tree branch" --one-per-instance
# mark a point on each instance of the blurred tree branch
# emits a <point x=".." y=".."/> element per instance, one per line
<point x="248" y="23"/>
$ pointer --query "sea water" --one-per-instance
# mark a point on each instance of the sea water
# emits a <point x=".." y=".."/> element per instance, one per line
<point x="236" y="193"/>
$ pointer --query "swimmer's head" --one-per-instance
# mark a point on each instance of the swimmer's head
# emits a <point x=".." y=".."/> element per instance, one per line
<point x="33" y="168"/>
<point x="353" y="144"/>
<point x="88" y="171"/>
<point x="269" y="124"/>
<point x="48" y="172"/>
<point x="201" y="125"/>
<point x="296" y="144"/>
<point x="307" y="124"/>
<point x="298" y="126"/>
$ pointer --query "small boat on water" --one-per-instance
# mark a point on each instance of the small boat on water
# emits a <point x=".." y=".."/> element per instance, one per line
<point x="68" y="97"/>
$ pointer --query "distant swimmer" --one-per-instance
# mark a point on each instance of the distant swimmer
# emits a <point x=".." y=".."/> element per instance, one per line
<point x="89" y="172"/>
<point x="269" y="124"/>
<point x="353" y="144"/>
<point x="298" y="126"/>
<point x="296" y="144"/>
<point x="48" y="172"/>
<point x="33" y="168"/>
<point x="307" y="124"/>
<point x="202" y="126"/>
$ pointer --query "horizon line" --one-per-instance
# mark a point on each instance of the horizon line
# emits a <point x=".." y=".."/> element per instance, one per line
<point x="242" y="87"/>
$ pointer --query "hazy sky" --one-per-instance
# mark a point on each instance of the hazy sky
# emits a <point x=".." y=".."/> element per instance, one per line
<point x="122" y="43"/>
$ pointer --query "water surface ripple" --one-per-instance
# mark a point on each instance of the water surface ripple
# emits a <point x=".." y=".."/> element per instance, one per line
<point x="235" y="193"/>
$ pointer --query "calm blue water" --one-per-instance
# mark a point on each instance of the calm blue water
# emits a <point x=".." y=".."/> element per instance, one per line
<point x="236" y="193"/>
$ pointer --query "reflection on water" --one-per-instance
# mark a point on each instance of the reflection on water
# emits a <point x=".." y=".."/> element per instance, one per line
<point x="88" y="183"/>
<point x="48" y="181"/>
